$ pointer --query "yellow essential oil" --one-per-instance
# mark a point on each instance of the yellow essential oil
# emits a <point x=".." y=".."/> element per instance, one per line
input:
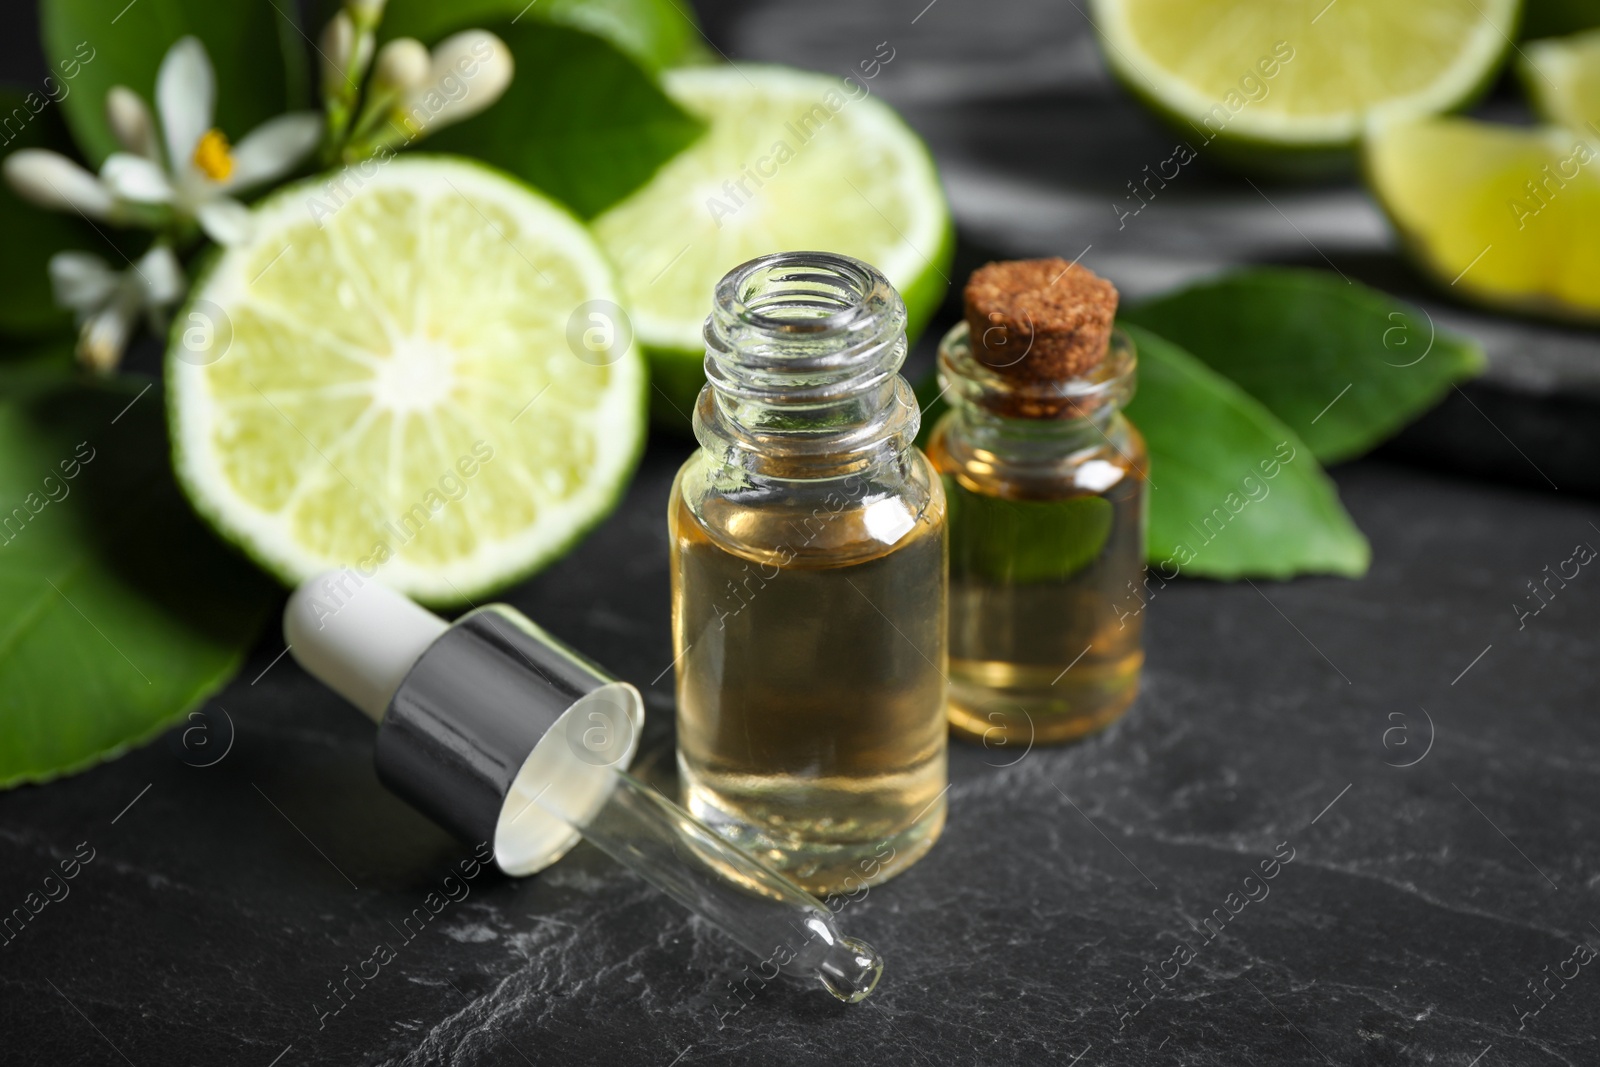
<point x="1045" y="482"/>
<point x="808" y="579"/>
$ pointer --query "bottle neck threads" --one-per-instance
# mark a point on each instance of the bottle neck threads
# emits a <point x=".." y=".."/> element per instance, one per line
<point x="803" y="352"/>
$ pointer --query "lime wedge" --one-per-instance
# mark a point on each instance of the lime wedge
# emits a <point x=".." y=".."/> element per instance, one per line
<point x="385" y="377"/>
<point x="790" y="160"/>
<point x="1562" y="76"/>
<point x="1506" y="215"/>
<point x="1301" y="75"/>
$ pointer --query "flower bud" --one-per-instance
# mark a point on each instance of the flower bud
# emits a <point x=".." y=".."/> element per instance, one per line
<point x="403" y="65"/>
<point x="365" y="42"/>
<point x="51" y="180"/>
<point x="365" y="12"/>
<point x="338" y="36"/>
<point x="346" y="51"/>
<point x="105" y="334"/>
<point x="468" y="72"/>
<point x="130" y="121"/>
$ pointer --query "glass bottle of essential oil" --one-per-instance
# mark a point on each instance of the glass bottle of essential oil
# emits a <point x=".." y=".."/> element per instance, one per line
<point x="1045" y="480"/>
<point x="808" y="580"/>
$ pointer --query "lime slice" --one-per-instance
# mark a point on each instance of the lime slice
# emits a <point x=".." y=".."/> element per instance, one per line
<point x="1507" y="215"/>
<point x="383" y="378"/>
<point x="789" y="161"/>
<point x="1301" y="75"/>
<point x="1562" y="77"/>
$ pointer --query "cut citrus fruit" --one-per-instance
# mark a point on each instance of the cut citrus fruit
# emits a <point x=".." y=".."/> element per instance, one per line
<point x="1303" y="76"/>
<point x="1562" y="76"/>
<point x="385" y="377"/>
<point x="1506" y="215"/>
<point x="790" y="160"/>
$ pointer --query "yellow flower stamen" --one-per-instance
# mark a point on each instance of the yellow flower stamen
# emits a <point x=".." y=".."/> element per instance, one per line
<point x="212" y="157"/>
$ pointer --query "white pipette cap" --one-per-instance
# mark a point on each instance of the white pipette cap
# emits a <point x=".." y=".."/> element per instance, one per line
<point x="483" y="724"/>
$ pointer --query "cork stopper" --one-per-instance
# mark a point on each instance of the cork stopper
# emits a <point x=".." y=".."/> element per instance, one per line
<point x="1039" y="320"/>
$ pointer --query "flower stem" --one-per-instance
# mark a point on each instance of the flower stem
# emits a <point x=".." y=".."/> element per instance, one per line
<point x="342" y="94"/>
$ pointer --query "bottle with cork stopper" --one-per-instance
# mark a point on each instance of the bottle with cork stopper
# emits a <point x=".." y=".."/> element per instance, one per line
<point x="1045" y="482"/>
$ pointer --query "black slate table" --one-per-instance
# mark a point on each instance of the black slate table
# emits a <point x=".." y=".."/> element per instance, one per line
<point x="1416" y="766"/>
<point x="1419" y="903"/>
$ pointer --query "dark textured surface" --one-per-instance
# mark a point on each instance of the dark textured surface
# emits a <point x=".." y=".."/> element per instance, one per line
<point x="1404" y="930"/>
<point x="222" y="899"/>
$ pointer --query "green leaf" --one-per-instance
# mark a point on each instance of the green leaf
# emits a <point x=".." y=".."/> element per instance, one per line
<point x="33" y="235"/>
<point x="581" y="121"/>
<point x="1206" y="437"/>
<point x="31" y="365"/>
<point x="656" y="33"/>
<point x="1234" y="493"/>
<point x="1343" y="365"/>
<point x="95" y="44"/>
<point x="119" y="612"/>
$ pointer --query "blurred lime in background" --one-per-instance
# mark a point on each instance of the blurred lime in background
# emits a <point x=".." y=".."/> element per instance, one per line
<point x="791" y="160"/>
<point x="1562" y="78"/>
<point x="1289" y="85"/>
<point x="1506" y="215"/>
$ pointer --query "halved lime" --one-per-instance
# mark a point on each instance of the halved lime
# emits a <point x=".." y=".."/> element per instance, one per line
<point x="1562" y="76"/>
<point x="1506" y="215"/>
<point x="1301" y="76"/>
<point x="790" y="161"/>
<point x="384" y="377"/>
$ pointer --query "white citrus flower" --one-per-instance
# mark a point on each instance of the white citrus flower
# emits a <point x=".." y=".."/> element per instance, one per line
<point x="108" y="303"/>
<point x="202" y="169"/>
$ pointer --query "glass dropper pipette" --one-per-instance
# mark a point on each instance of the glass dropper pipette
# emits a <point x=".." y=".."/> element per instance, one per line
<point x="764" y="911"/>
<point x="500" y="733"/>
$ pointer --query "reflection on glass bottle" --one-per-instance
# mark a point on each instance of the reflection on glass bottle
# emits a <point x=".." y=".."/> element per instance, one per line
<point x="1045" y="480"/>
<point x="808" y="542"/>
